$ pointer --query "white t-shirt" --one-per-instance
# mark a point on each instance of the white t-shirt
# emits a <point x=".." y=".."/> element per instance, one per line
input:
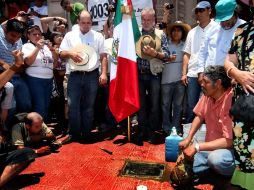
<point x="92" y="38"/>
<point x="43" y="64"/>
<point x="195" y="38"/>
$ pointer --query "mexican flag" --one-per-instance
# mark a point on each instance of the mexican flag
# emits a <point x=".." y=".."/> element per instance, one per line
<point x="124" y="92"/>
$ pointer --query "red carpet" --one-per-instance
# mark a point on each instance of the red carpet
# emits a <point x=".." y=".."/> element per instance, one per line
<point x="86" y="167"/>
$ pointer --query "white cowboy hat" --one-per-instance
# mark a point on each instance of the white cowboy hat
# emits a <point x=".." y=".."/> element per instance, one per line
<point x="88" y="55"/>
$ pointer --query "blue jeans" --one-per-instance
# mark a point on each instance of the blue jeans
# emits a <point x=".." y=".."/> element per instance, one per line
<point x="81" y="91"/>
<point x="149" y="113"/>
<point x="221" y="161"/>
<point x="172" y="101"/>
<point x="193" y="94"/>
<point x="40" y="90"/>
<point x="21" y="94"/>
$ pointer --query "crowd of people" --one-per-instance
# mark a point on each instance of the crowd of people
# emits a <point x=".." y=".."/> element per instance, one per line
<point x="186" y="75"/>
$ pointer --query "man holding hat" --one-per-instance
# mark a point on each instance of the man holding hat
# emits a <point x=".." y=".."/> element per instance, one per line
<point x="190" y="58"/>
<point x="85" y="50"/>
<point x="150" y="66"/>
<point x="217" y="41"/>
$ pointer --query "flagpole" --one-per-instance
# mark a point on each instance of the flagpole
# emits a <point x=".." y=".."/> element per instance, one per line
<point x="129" y="129"/>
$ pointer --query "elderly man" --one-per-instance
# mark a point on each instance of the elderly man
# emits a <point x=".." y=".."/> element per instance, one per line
<point x="213" y="108"/>
<point x="31" y="133"/>
<point x="84" y="76"/>
<point x="149" y="82"/>
<point x="217" y="41"/>
<point x="190" y="58"/>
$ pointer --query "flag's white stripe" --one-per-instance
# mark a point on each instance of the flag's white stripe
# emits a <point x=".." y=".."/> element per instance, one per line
<point x="124" y="33"/>
<point x="127" y="44"/>
<point x="113" y="68"/>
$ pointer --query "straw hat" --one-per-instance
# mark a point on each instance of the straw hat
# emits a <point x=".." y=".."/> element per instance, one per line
<point x="184" y="26"/>
<point x="156" y="66"/>
<point x="88" y="55"/>
<point x="147" y="40"/>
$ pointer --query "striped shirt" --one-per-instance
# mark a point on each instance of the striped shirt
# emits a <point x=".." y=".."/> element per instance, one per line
<point x="6" y="48"/>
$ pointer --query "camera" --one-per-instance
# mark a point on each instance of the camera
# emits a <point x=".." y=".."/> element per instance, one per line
<point x="169" y="6"/>
<point x="162" y="25"/>
<point x="46" y="42"/>
<point x="30" y="22"/>
<point x="112" y="7"/>
<point x="54" y="146"/>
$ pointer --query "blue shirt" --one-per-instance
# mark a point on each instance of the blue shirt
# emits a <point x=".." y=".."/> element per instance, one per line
<point x="6" y="48"/>
<point x="215" y="47"/>
<point x="172" y="71"/>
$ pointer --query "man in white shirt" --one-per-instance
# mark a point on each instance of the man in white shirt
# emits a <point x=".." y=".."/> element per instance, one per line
<point x="217" y="41"/>
<point x="190" y="58"/>
<point x="83" y="83"/>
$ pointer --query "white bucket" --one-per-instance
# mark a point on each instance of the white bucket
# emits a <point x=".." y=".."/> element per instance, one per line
<point x="200" y="134"/>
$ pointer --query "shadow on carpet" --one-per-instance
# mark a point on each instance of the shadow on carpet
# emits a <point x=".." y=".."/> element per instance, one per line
<point x="23" y="180"/>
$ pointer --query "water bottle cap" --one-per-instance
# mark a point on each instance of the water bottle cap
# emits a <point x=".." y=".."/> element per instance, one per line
<point x="173" y="132"/>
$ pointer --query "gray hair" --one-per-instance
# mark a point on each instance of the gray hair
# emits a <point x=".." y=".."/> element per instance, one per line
<point x="217" y="72"/>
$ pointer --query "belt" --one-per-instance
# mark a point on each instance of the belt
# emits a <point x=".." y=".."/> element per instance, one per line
<point x="85" y="72"/>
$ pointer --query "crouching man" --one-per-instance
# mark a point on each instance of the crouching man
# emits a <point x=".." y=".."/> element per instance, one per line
<point x="212" y="109"/>
<point x="33" y="132"/>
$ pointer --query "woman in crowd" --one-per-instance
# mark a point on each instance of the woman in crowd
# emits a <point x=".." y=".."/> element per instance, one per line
<point x="172" y="88"/>
<point x="40" y="57"/>
<point x="239" y="65"/>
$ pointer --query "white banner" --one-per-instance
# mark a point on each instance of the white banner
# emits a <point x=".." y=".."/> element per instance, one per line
<point x="99" y="11"/>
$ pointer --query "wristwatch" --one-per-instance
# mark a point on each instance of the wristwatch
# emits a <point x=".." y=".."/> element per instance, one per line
<point x="197" y="147"/>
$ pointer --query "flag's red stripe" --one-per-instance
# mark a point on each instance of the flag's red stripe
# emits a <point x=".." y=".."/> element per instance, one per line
<point x="124" y="92"/>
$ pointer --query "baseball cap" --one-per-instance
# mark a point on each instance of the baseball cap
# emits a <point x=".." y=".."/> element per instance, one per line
<point x="224" y="10"/>
<point x="203" y="5"/>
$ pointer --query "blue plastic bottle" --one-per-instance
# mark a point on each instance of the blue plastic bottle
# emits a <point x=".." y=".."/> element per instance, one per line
<point x="171" y="146"/>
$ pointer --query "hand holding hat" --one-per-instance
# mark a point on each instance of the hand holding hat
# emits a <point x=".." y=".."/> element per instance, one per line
<point x="76" y="57"/>
<point x="149" y="51"/>
<point x="83" y="58"/>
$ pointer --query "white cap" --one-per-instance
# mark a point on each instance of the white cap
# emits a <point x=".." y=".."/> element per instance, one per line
<point x="203" y="5"/>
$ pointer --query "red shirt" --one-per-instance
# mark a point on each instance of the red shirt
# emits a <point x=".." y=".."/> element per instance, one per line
<point x="216" y="116"/>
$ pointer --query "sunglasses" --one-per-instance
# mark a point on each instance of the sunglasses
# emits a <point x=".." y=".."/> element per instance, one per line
<point x="199" y="10"/>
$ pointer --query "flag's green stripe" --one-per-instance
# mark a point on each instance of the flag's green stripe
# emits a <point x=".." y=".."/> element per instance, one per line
<point x="118" y="14"/>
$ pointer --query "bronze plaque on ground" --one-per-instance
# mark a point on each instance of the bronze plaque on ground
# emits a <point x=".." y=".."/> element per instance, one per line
<point x="145" y="170"/>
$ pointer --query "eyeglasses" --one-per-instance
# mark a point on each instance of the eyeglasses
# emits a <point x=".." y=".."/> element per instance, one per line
<point x="199" y="10"/>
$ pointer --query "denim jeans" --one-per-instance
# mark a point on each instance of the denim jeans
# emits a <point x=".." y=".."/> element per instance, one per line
<point x="40" y="90"/>
<point x="81" y="91"/>
<point x="221" y="161"/>
<point x="149" y="113"/>
<point x="193" y="94"/>
<point x="21" y="94"/>
<point x="172" y="105"/>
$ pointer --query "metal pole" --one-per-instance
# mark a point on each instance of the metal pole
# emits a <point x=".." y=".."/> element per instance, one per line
<point x="129" y="129"/>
